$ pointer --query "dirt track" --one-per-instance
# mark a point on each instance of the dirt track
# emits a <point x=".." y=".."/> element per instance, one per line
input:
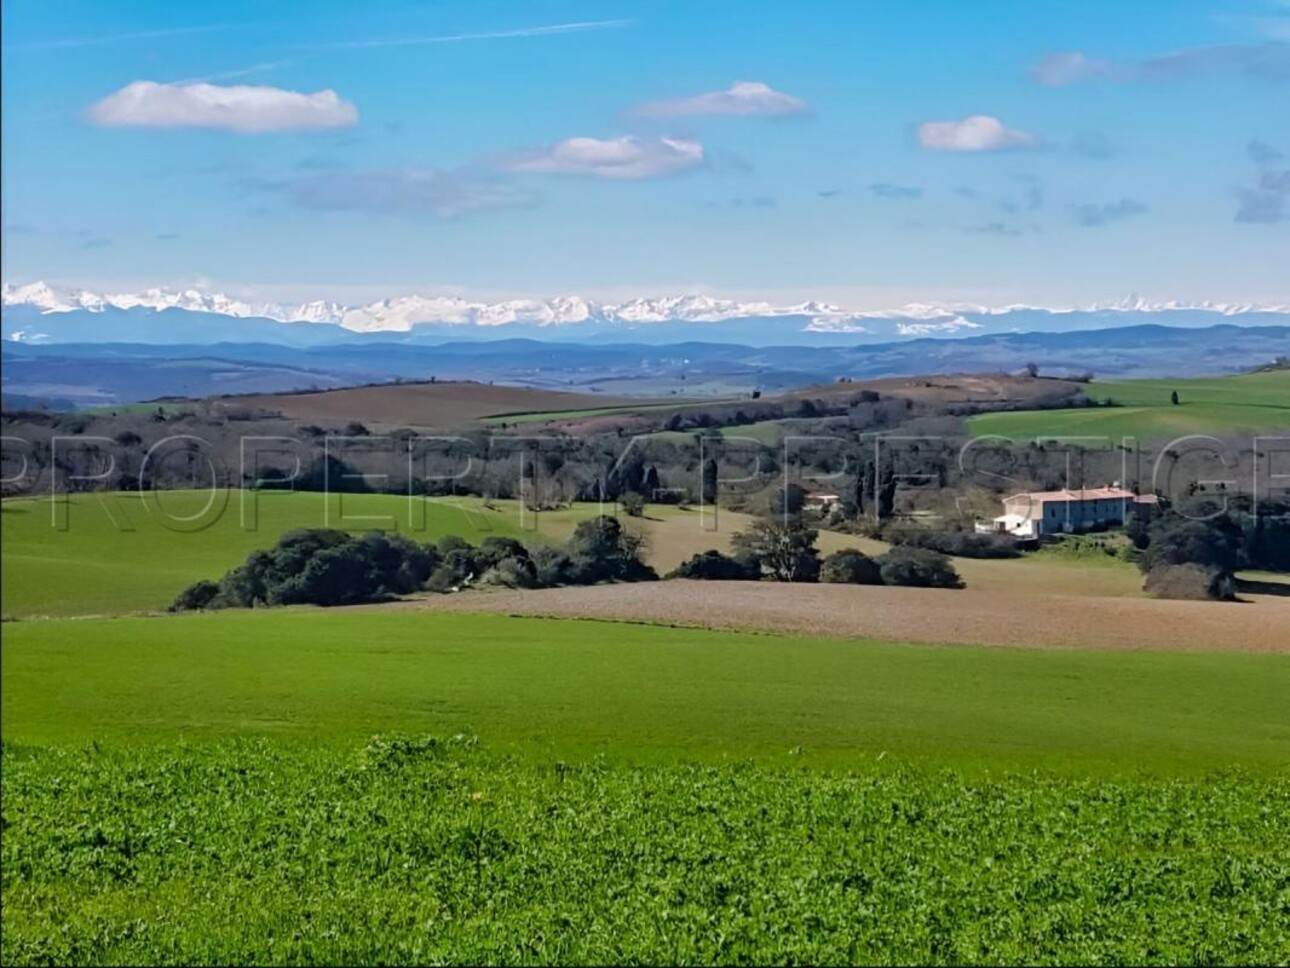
<point x="966" y="617"/>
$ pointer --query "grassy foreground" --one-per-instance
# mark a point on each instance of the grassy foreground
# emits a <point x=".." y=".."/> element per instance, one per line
<point x="418" y="852"/>
<point x="567" y="687"/>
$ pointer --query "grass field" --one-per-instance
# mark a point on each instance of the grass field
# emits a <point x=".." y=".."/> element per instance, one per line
<point x="121" y="552"/>
<point x="1214" y="405"/>
<point x="417" y="853"/>
<point x="205" y="788"/>
<point x="641" y="794"/>
<point x="586" y="687"/>
<point x="126" y="552"/>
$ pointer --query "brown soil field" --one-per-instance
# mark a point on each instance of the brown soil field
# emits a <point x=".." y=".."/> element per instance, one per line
<point x="420" y="405"/>
<point x="970" y="616"/>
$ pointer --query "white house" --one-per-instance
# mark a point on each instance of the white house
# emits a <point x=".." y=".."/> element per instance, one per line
<point x="1027" y="516"/>
<point x="821" y="500"/>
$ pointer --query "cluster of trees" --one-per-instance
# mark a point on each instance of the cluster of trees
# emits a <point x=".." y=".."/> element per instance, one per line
<point x="956" y="541"/>
<point x="323" y="566"/>
<point x="1194" y="552"/>
<point x="783" y="549"/>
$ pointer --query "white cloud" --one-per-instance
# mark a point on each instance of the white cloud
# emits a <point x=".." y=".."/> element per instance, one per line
<point x="980" y="132"/>
<point x="546" y="31"/>
<point x="1069" y="67"/>
<point x="741" y="98"/>
<point x="243" y="109"/>
<point x="116" y="38"/>
<point x="626" y="158"/>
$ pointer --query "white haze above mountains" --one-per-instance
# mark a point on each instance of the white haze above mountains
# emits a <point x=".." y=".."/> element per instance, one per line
<point x="572" y="316"/>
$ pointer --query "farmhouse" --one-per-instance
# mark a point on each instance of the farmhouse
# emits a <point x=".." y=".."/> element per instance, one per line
<point x="821" y="500"/>
<point x="1029" y="515"/>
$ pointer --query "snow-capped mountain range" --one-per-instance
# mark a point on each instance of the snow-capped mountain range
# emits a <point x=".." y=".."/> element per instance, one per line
<point x="42" y="313"/>
<point x="401" y="313"/>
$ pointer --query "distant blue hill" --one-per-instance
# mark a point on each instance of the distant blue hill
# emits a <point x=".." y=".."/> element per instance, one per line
<point x="96" y="372"/>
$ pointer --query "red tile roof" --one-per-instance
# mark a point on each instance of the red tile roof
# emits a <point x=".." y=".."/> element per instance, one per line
<point x="1085" y="494"/>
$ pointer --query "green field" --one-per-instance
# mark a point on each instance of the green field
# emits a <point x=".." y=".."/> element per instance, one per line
<point x="418" y="853"/>
<point x="1213" y="405"/>
<point x="563" y="687"/>
<point x="205" y="788"/>
<point x="120" y="552"/>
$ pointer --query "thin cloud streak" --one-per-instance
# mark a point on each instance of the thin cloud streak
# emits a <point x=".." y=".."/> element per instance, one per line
<point x="242" y="72"/>
<point x="490" y="35"/>
<point x="116" y="38"/>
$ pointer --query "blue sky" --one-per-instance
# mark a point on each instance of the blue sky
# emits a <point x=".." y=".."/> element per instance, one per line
<point x="885" y="152"/>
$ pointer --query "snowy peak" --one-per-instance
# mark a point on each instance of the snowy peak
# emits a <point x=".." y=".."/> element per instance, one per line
<point x="55" y="299"/>
<point x="49" y="299"/>
<point x="404" y="314"/>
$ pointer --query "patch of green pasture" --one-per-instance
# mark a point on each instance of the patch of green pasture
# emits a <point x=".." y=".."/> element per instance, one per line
<point x="1216" y="405"/>
<point x="104" y="554"/>
<point x="1270" y="388"/>
<point x="568" y="687"/>
<point x="768" y="432"/>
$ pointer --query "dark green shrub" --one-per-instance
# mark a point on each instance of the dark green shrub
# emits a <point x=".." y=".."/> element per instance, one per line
<point x="1190" y="581"/>
<point x="552" y="566"/>
<point x="714" y="566"/>
<point x="918" y="567"/>
<point x="196" y="596"/>
<point x="963" y="544"/>
<point x="600" y="550"/>
<point x="782" y="548"/>
<point x="850" y="567"/>
<point x="633" y="504"/>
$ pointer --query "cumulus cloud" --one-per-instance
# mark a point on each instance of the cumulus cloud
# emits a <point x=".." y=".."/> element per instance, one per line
<point x="405" y="191"/>
<point x="243" y="109"/>
<point x="1094" y="215"/>
<point x="896" y="192"/>
<point x="626" y="159"/>
<point x="980" y="132"/>
<point x="1265" y="61"/>
<point x="741" y="98"/>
